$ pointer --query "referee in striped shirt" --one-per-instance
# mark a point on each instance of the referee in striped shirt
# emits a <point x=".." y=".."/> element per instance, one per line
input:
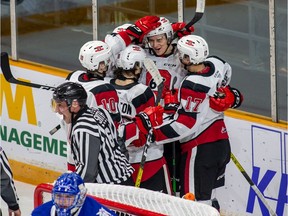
<point x="93" y="137"/>
<point x="7" y="186"/>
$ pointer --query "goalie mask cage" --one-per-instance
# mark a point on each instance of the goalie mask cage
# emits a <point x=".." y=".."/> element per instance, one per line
<point x="131" y="200"/>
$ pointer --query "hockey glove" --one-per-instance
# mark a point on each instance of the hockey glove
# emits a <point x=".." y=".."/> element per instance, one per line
<point x="143" y="26"/>
<point x="225" y="98"/>
<point x="179" y="29"/>
<point x="238" y="98"/>
<point x="171" y="102"/>
<point x="141" y="141"/>
<point x="149" y="118"/>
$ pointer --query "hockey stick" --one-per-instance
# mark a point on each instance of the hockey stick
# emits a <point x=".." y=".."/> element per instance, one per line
<point x="143" y="159"/>
<point x="153" y="70"/>
<point x="174" y="149"/>
<point x="158" y="79"/>
<point x="200" y="8"/>
<point x="6" y="70"/>
<point x="5" y="67"/>
<point x="250" y="181"/>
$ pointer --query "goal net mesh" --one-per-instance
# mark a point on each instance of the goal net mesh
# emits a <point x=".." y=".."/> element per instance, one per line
<point x="128" y="200"/>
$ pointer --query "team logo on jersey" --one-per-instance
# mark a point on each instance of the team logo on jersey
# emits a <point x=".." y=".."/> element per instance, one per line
<point x="223" y="130"/>
<point x="103" y="212"/>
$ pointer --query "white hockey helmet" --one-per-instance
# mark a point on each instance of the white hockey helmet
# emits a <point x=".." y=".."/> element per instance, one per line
<point x="193" y="46"/>
<point x="93" y="53"/>
<point x="164" y="28"/>
<point x="121" y="28"/>
<point x="130" y="57"/>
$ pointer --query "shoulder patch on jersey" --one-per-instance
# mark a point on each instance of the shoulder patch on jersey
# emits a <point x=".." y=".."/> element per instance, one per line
<point x="100" y="117"/>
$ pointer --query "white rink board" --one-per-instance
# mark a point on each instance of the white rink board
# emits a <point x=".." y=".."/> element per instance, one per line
<point x="22" y="105"/>
<point x="261" y="150"/>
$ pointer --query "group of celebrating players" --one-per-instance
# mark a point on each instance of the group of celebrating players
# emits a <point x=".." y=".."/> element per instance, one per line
<point x="109" y="110"/>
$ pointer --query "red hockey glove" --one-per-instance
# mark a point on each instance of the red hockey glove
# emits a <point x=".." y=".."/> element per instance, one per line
<point x="179" y="29"/>
<point x="225" y="98"/>
<point x="141" y="141"/>
<point x="149" y="118"/>
<point x="171" y="102"/>
<point x="143" y="26"/>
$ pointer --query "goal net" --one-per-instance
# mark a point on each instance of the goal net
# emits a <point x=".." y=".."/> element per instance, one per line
<point x="135" y="201"/>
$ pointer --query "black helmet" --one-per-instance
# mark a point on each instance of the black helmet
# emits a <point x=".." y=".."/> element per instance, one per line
<point x="70" y="91"/>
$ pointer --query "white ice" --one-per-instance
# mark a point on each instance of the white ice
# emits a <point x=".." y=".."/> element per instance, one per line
<point x="26" y="199"/>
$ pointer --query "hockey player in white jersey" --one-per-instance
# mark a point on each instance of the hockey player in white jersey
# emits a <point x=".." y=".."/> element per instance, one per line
<point x="134" y="97"/>
<point x="162" y="49"/>
<point x="96" y="57"/>
<point x="199" y="121"/>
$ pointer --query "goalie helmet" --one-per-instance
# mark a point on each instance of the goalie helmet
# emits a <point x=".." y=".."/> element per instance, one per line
<point x="131" y="57"/>
<point x="70" y="91"/>
<point x="93" y="53"/>
<point x="164" y="28"/>
<point x="195" y="47"/>
<point x="68" y="193"/>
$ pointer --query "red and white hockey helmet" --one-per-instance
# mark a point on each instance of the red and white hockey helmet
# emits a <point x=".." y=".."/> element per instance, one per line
<point x="121" y="28"/>
<point x="164" y="28"/>
<point x="130" y="57"/>
<point x="193" y="46"/>
<point x="93" y="53"/>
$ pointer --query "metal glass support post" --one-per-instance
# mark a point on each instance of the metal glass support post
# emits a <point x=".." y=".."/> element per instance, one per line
<point x="180" y="11"/>
<point x="95" y="19"/>
<point x="273" y="77"/>
<point x="13" y="20"/>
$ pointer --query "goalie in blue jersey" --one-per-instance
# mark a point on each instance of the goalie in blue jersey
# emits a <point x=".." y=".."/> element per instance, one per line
<point x="69" y="199"/>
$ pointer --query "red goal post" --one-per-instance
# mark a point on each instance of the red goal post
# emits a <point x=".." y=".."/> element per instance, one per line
<point x="135" y="201"/>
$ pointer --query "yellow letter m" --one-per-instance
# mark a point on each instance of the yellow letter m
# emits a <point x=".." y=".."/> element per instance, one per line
<point x="15" y="106"/>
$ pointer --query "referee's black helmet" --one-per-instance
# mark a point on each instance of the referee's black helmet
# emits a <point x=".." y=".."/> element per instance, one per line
<point x="70" y="91"/>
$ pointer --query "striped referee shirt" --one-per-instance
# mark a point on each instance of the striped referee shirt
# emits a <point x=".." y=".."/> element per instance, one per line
<point x="8" y="190"/>
<point x="95" y="149"/>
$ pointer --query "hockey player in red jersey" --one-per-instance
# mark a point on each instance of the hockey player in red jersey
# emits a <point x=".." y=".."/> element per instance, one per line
<point x="134" y="97"/>
<point x="199" y="121"/>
